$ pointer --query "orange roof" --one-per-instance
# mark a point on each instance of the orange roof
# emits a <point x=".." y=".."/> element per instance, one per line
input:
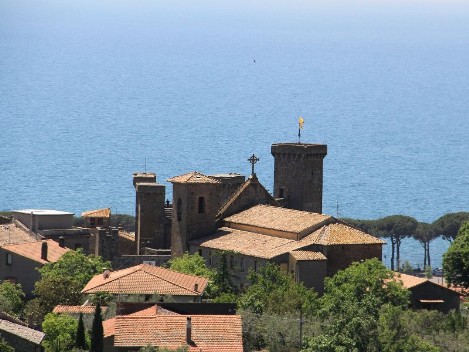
<point x="337" y="234"/>
<point x="193" y="177"/>
<point x="100" y="213"/>
<point x="147" y="279"/>
<point x="62" y="309"/>
<point x="247" y="243"/>
<point x="409" y="281"/>
<point x="280" y="219"/>
<point x="307" y="255"/>
<point x="109" y="327"/>
<point x="32" y="250"/>
<point x="208" y="333"/>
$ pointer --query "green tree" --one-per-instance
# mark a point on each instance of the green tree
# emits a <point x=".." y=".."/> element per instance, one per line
<point x="424" y="233"/>
<point x="60" y="332"/>
<point x="222" y="281"/>
<point x="80" y="338"/>
<point x="97" y="333"/>
<point x="11" y="298"/>
<point x="456" y="259"/>
<point x="272" y="291"/>
<point x="396" y="228"/>
<point x="449" y="224"/>
<point x="61" y="282"/>
<point x="350" y="307"/>
<point x="4" y="346"/>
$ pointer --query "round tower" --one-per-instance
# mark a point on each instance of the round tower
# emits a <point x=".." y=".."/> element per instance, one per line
<point x="298" y="175"/>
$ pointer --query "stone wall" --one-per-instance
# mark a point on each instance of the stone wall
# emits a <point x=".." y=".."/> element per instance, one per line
<point x="342" y="256"/>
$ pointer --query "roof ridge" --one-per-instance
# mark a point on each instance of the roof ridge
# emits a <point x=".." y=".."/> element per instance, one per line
<point x="134" y="269"/>
<point x="175" y="284"/>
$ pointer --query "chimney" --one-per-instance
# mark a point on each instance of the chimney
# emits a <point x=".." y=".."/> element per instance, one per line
<point x="196" y="287"/>
<point x="44" y="251"/>
<point x="189" y="331"/>
<point x="62" y="241"/>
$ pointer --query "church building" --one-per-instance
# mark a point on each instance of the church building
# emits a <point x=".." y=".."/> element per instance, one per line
<point x="225" y="212"/>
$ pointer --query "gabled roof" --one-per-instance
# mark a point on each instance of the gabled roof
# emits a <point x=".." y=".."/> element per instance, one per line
<point x="411" y="281"/>
<point x="209" y="333"/>
<point x="295" y="224"/>
<point x="32" y="250"/>
<point x="266" y="246"/>
<point x="147" y="279"/>
<point x="251" y="192"/>
<point x="62" y="309"/>
<point x="338" y="234"/>
<point x="193" y="177"/>
<point x="24" y="332"/>
<point x="99" y="213"/>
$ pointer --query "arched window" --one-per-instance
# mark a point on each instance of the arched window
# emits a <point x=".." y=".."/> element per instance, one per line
<point x="179" y="209"/>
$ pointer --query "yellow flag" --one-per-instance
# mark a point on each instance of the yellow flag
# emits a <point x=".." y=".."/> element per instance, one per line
<point x="301" y="122"/>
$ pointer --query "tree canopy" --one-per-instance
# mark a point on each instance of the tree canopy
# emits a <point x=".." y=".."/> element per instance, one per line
<point x="11" y="298"/>
<point x="456" y="259"/>
<point x="448" y="225"/>
<point x="273" y="291"/>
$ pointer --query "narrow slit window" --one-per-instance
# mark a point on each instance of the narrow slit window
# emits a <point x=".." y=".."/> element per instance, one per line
<point x="201" y="205"/>
<point x="179" y="210"/>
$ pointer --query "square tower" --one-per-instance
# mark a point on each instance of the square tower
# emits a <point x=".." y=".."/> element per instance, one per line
<point x="298" y="175"/>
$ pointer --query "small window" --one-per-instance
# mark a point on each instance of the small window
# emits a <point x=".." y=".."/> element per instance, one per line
<point x="179" y="210"/>
<point x="281" y="193"/>
<point x="210" y="259"/>
<point x="9" y="259"/>
<point x="92" y="222"/>
<point x="255" y="266"/>
<point x="100" y="221"/>
<point x="241" y="264"/>
<point x="200" y="252"/>
<point x="201" y="205"/>
<point x="232" y="262"/>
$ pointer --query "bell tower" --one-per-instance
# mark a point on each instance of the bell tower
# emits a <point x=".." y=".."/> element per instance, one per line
<point x="298" y="175"/>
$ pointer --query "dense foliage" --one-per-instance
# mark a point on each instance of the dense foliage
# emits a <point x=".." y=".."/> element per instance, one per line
<point x="60" y="332"/>
<point x="97" y="332"/>
<point x="11" y="298"/>
<point x="456" y="259"/>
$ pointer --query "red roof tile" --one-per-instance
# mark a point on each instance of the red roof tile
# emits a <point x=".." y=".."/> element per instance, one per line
<point x="208" y="332"/>
<point x="99" y="213"/>
<point x="193" y="177"/>
<point x="32" y="250"/>
<point x="147" y="279"/>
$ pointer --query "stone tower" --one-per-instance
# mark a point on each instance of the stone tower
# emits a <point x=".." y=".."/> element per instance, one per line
<point x="298" y="175"/>
<point x="149" y="212"/>
<point x="195" y="205"/>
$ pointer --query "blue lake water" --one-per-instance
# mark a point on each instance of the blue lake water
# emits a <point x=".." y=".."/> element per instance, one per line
<point x="91" y="92"/>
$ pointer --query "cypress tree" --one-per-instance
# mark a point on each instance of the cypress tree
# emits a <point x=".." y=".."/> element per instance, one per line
<point x="80" y="340"/>
<point x="97" y="333"/>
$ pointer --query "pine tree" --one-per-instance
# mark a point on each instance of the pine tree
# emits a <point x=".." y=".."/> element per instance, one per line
<point x="80" y="340"/>
<point x="97" y="332"/>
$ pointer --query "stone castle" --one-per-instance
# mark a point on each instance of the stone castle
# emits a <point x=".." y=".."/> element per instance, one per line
<point x="226" y="212"/>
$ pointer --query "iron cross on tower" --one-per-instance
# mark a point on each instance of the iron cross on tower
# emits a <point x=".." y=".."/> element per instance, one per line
<point x="253" y="159"/>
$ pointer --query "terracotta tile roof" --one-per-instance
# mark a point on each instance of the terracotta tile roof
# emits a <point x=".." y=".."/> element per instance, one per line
<point x="409" y="281"/>
<point x="109" y="327"/>
<point x="24" y="332"/>
<point x="307" y="255"/>
<point x="280" y="219"/>
<point x="209" y="332"/>
<point x="193" y="177"/>
<point x="127" y="235"/>
<point x="12" y="233"/>
<point x="147" y="279"/>
<point x="100" y="213"/>
<point x="32" y="250"/>
<point x="247" y="243"/>
<point x="76" y="309"/>
<point x="337" y="234"/>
